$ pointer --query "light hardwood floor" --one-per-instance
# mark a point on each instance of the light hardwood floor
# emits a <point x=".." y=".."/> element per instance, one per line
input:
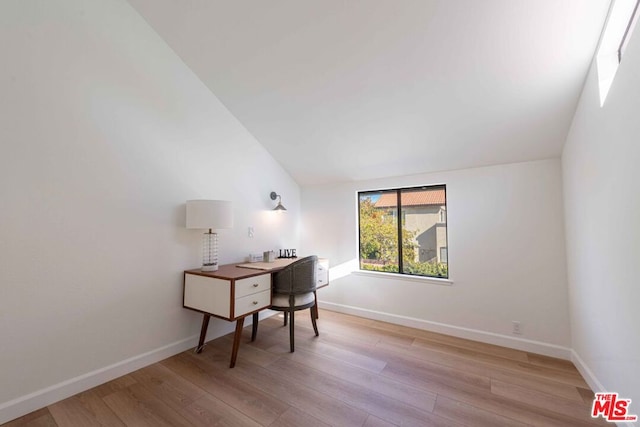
<point x="358" y="372"/>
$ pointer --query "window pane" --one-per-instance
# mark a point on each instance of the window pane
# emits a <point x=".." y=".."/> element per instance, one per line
<point x="424" y="231"/>
<point x="379" y="231"/>
<point x="443" y="255"/>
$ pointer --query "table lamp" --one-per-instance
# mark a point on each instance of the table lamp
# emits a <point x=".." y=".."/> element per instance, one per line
<point x="211" y="215"/>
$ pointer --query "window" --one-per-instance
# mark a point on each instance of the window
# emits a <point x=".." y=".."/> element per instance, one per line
<point x="615" y="37"/>
<point x="416" y="245"/>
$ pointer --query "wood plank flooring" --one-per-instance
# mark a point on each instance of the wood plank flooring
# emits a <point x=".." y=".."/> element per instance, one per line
<point x="358" y="372"/>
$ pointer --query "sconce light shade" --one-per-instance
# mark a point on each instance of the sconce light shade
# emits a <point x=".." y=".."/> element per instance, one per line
<point x="279" y="206"/>
<point x="212" y="215"/>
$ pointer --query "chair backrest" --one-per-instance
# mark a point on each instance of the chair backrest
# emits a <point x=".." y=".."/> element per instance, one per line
<point x="299" y="277"/>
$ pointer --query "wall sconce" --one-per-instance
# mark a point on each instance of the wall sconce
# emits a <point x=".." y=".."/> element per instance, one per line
<point x="279" y="206"/>
<point x="212" y="215"/>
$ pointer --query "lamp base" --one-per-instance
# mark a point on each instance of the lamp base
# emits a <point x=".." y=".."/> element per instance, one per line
<point x="210" y="267"/>
<point x="209" y="251"/>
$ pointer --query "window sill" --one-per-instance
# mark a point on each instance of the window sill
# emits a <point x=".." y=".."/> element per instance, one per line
<point x="404" y="277"/>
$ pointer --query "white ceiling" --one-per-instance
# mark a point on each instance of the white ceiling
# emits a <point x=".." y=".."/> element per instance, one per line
<point x="341" y="90"/>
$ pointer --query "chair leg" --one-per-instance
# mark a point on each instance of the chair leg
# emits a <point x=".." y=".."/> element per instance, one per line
<point x="286" y="314"/>
<point x="313" y="319"/>
<point x="315" y="306"/>
<point x="291" y="332"/>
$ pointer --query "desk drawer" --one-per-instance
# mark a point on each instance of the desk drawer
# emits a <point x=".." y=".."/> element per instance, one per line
<point x="252" y="302"/>
<point x="207" y="294"/>
<point x="253" y="285"/>
<point x="322" y="273"/>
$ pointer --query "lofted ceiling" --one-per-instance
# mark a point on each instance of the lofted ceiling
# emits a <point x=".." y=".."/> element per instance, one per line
<point x="341" y="90"/>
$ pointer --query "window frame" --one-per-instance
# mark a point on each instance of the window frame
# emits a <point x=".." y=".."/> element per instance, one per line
<point x="627" y="32"/>
<point x="620" y="23"/>
<point x="399" y="213"/>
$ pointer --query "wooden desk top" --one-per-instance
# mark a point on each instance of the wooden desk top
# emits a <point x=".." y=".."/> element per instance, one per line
<point x="236" y="272"/>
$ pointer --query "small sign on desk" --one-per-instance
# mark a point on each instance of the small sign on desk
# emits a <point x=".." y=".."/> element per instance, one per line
<point x="287" y="253"/>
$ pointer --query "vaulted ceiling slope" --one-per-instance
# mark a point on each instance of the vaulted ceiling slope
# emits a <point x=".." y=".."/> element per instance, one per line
<point x="340" y="90"/>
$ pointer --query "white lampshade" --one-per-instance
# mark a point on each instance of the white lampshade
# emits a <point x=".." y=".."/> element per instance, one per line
<point x="213" y="214"/>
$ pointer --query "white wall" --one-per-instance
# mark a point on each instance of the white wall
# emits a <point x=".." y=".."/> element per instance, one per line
<point x="104" y="134"/>
<point x="601" y="173"/>
<point x="506" y="255"/>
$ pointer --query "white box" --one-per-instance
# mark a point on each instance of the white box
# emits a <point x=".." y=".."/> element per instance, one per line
<point x="255" y="257"/>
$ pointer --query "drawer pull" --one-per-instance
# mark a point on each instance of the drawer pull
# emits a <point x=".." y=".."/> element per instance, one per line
<point x="255" y="285"/>
<point x="255" y="303"/>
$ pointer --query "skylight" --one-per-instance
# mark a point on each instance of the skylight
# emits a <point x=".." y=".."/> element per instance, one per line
<point x="620" y="22"/>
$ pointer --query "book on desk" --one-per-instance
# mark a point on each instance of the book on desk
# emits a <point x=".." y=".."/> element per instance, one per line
<point x="278" y="263"/>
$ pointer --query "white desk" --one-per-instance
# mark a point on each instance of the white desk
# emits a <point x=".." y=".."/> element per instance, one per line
<point x="235" y="291"/>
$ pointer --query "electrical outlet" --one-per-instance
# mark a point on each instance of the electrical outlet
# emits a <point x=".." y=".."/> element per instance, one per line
<point x="517" y="327"/>
<point x="251" y="232"/>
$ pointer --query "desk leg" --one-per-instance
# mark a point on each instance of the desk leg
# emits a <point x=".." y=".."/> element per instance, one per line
<point x="236" y="341"/>
<point x="254" y="327"/>
<point x="203" y="333"/>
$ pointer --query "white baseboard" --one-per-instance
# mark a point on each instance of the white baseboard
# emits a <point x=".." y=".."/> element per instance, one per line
<point x="537" y="347"/>
<point x="587" y="374"/>
<point x="593" y="382"/>
<point x="39" y="399"/>
<point x="25" y="404"/>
